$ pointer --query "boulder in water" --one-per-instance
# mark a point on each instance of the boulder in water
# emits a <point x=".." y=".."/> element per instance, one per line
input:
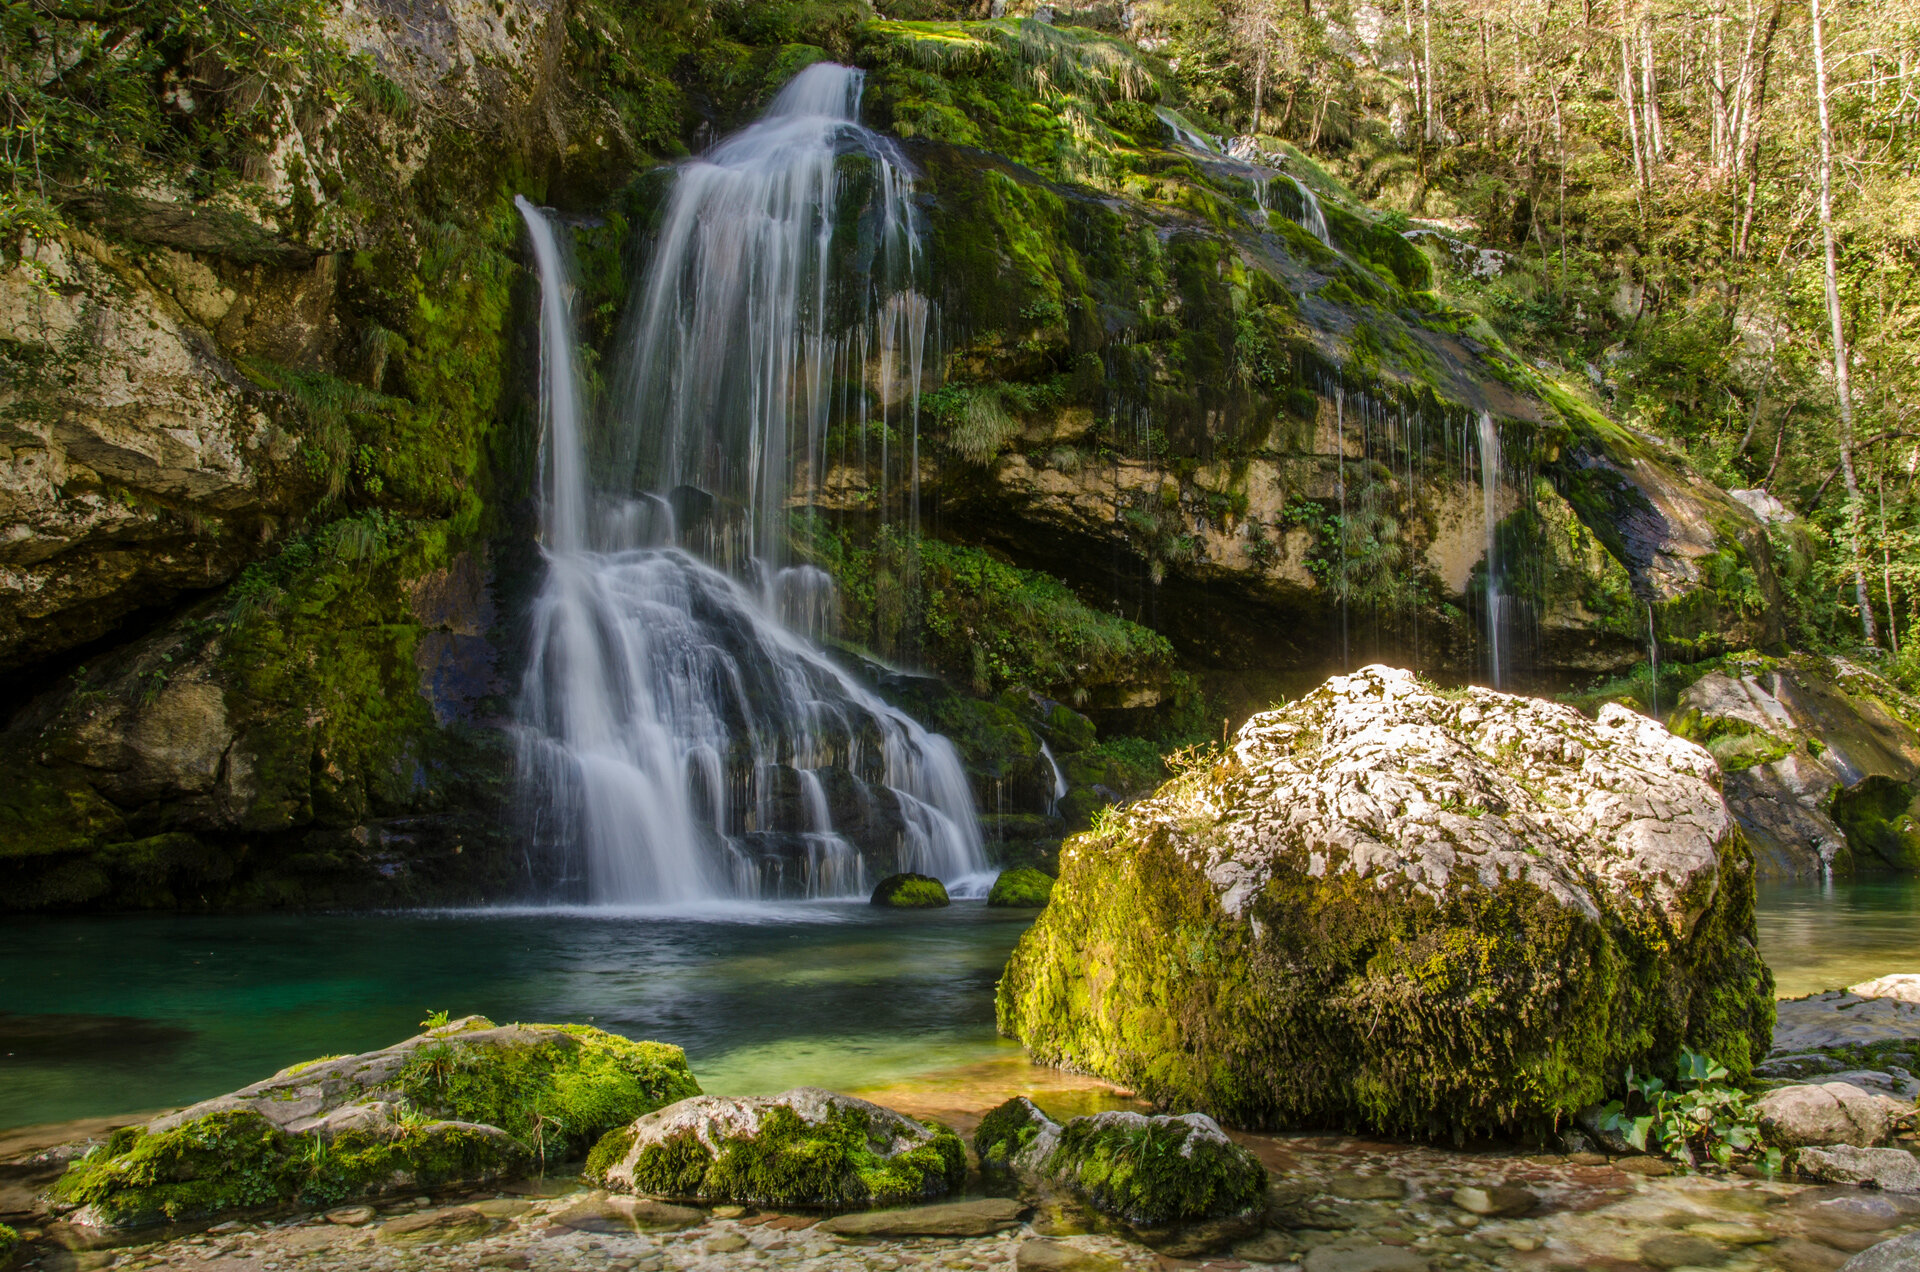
<point x="804" y="1147"/>
<point x="1023" y="887"/>
<point x="466" y="1103"/>
<point x="1147" y="1170"/>
<point x="911" y="892"/>
<point x="1430" y="913"/>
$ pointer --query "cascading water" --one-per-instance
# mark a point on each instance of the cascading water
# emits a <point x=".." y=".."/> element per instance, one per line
<point x="1059" y="789"/>
<point x="1312" y="219"/>
<point x="1490" y="507"/>
<point x="679" y="741"/>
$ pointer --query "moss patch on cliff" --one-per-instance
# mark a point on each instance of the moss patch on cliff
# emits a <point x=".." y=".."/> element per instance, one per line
<point x="978" y="619"/>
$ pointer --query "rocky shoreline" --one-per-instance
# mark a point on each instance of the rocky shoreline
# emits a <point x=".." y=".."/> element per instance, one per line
<point x="1333" y="1203"/>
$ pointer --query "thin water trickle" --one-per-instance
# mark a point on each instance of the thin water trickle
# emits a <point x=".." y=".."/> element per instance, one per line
<point x="682" y="740"/>
<point x="1490" y="505"/>
<point x="1059" y="789"/>
<point x="1312" y="219"/>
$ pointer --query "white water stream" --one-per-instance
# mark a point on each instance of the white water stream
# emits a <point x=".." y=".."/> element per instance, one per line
<point x="679" y="741"/>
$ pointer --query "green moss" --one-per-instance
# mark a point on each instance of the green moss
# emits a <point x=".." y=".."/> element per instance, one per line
<point x="551" y="1096"/>
<point x="557" y="1095"/>
<point x="1336" y="1003"/>
<point x="1881" y="818"/>
<point x="238" y="1160"/>
<point x="1004" y="1133"/>
<point x="1023" y="887"/>
<point x="1156" y="1170"/>
<point x="9" y="1245"/>
<point x="910" y="892"/>
<point x="608" y="1153"/>
<point x="793" y="1162"/>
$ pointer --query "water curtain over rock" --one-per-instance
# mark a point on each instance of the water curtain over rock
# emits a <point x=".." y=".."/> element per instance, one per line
<point x="680" y="742"/>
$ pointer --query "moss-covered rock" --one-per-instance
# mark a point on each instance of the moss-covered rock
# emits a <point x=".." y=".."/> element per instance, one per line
<point x="1147" y="1170"/>
<point x="1387" y="907"/>
<point x="1021" y="887"/>
<point x="804" y="1147"/>
<point x="466" y="1103"/>
<point x="1820" y="756"/>
<point x="910" y="892"/>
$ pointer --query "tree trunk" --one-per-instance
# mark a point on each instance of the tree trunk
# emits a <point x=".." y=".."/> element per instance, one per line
<point x="1842" y="383"/>
<point x="1259" y="87"/>
<point x="1633" y="117"/>
<point x="1426" y="57"/>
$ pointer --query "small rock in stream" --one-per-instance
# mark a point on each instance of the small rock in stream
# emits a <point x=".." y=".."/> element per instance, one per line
<point x="1053" y="1256"/>
<point x="1499" y="1201"/>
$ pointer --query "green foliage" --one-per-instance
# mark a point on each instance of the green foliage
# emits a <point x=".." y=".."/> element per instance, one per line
<point x="1022" y="888"/>
<point x="9" y="1243"/>
<point x="555" y="1095"/>
<point x="984" y="622"/>
<point x="910" y="892"/>
<point x="1707" y="1118"/>
<point x="790" y="1161"/>
<point x="93" y="95"/>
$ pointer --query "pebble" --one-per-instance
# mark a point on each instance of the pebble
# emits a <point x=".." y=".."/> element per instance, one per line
<point x="728" y="1212"/>
<point x="350" y="1216"/>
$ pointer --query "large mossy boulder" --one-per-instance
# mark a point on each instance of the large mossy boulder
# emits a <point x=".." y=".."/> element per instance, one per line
<point x="1147" y="1170"/>
<point x="804" y="1147"/>
<point x="1391" y="907"/>
<point x="467" y="1103"/>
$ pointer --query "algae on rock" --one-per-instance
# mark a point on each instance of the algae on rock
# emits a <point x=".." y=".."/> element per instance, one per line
<point x="1388" y="907"/>
<point x="804" y="1147"/>
<point x="463" y="1103"/>
<point x="1147" y="1170"/>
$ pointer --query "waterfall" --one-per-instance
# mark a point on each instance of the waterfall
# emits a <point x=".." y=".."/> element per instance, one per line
<point x="1059" y="791"/>
<point x="748" y="310"/>
<point x="1490" y="507"/>
<point x="1312" y="220"/>
<point x="1185" y="133"/>
<point x="1653" y="665"/>
<point x="680" y="737"/>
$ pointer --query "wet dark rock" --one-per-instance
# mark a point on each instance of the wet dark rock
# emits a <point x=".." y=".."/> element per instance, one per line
<point x="436" y="1227"/>
<point x="621" y="1215"/>
<point x="955" y="1219"/>
<point x="1367" y="1187"/>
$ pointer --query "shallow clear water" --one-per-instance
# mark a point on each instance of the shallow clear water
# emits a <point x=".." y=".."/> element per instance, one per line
<point x="108" y="1015"/>
<point x="117" y="1014"/>
<point x="1819" y="936"/>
